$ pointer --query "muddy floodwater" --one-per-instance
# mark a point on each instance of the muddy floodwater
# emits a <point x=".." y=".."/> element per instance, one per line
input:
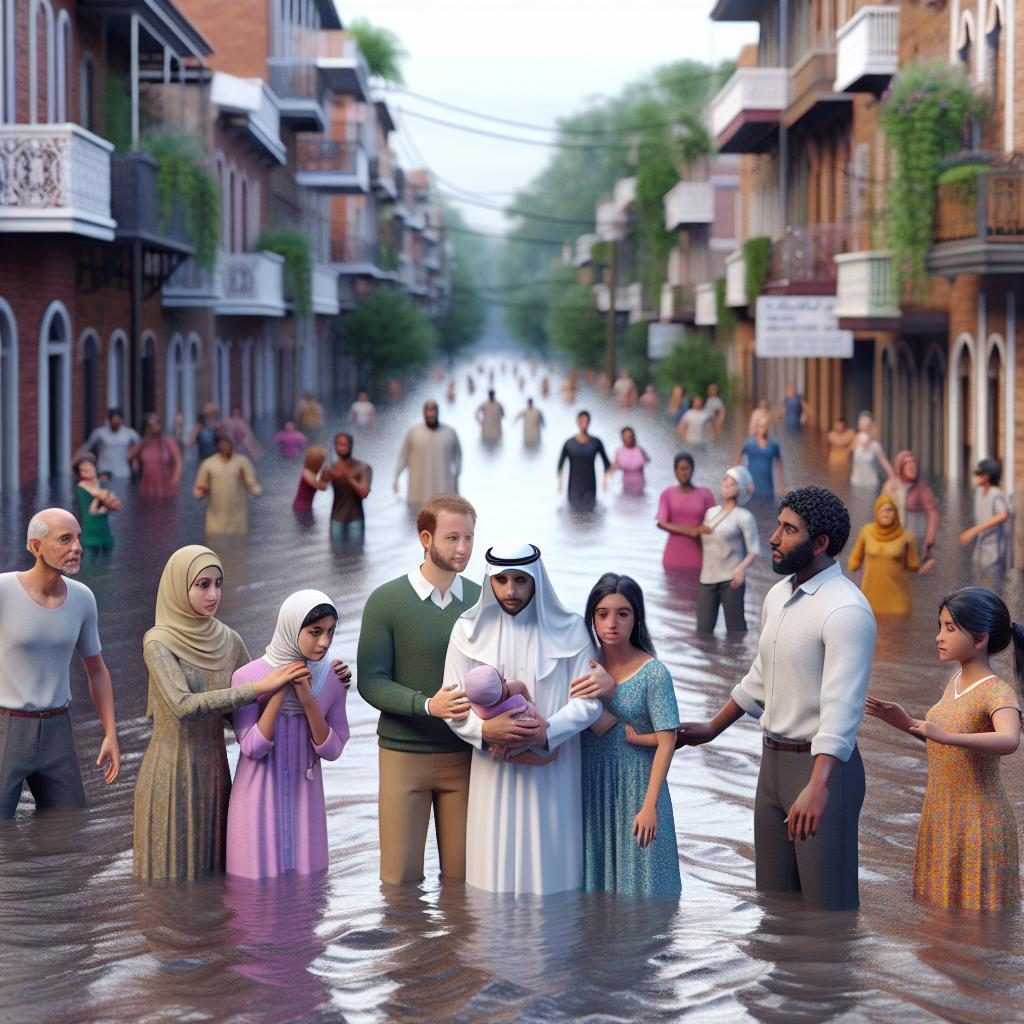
<point x="80" y="940"/>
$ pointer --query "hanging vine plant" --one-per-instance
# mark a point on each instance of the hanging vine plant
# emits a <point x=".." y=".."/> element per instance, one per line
<point x="923" y="119"/>
<point x="298" y="267"/>
<point x="726" y="318"/>
<point x="757" y="258"/>
<point x="182" y="177"/>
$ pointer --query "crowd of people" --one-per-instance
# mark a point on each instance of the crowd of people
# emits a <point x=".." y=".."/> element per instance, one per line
<point x="538" y="737"/>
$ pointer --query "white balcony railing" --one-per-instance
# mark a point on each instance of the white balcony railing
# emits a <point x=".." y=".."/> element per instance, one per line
<point x="602" y="298"/>
<point x="736" y="279"/>
<point x="55" y="178"/>
<point x="325" y="290"/>
<point x="749" y="89"/>
<point x="676" y="269"/>
<point x="865" y="287"/>
<point x="583" y="248"/>
<point x="635" y="302"/>
<point x="867" y="48"/>
<point x="242" y="284"/>
<point x="343" y="65"/>
<point x="689" y="202"/>
<point x="706" y="314"/>
<point x="252" y="99"/>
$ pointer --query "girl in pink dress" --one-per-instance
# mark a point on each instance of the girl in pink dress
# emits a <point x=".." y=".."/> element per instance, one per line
<point x="681" y="511"/>
<point x="277" y="819"/>
<point x="159" y="461"/>
<point x="310" y="480"/>
<point x="630" y="460"/>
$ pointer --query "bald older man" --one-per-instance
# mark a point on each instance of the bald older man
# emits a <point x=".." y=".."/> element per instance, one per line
<point x="44" y="619"/>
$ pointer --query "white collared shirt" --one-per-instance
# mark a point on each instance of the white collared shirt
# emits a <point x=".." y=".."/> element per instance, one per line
<point x="424" y="588"/>
<point x="810" y="676"/>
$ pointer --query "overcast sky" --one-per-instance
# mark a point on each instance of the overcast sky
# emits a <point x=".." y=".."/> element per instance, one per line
<point x="528" y="60"/>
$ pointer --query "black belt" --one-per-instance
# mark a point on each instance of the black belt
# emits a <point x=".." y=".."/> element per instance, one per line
<point x="786" y="746"/>
<point x="21" y="713"/>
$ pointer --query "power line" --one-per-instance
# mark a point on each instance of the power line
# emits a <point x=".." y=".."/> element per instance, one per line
<point x="525" y="214"/>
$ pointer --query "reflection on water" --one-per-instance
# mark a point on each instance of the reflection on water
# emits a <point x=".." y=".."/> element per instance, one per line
<point x="79" y="939"/>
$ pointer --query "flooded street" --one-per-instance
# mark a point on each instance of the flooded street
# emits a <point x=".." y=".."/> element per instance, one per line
<point x="80" y="940"/>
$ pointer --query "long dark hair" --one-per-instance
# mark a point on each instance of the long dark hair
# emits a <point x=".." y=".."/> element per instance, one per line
<point x="976" y="610"/>
<point x="613" y="583"/>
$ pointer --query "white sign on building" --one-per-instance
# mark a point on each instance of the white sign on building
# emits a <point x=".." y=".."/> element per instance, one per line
<point x="803" y="326"/>
<point x="662" y="338"/>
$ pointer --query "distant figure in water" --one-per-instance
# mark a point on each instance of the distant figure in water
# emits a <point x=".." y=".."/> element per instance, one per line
<point x="649" y="399"/>
<point x="580" y="451"/>
<point x="452" y="387"/>
<point x="569" y="387"/>
<point x="362" y="412"/>
<point x="545" y="387"/>
<point x="470" y="384"/>
<point x="223" y="479"/>
<point x="289" y="441"/>
<point x="868" y="457"/>
<point x="888" y="553"/>
<point x="310" y="412"/>
<point x="311" y="479"/>
<point x="242" y="437"/>
<point x="489" y="415"/>
<point x="840" y="445"/>
<point x="159" y="461"/>
<point x="630" y="460"/>
<point x="351" y="480"/>
<point x="533" y="422"/>
<point x="624" y="390"/>
<point x="432" y="455"/>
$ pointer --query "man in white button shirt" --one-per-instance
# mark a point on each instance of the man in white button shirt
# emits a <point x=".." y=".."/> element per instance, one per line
<point x="807" y="687"/>
<point x="110" y="444"/>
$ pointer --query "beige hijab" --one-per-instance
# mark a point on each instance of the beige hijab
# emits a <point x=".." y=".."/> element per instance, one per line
<point x="198" y="639"/>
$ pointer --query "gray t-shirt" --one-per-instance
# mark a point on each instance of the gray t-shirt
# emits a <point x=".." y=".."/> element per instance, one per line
<point x="36" y="644"/>
<point x="730" y="541"/>
<point x="698" y="424"/>
<point x="111" y="448"/>
<point x="990" y="546"/>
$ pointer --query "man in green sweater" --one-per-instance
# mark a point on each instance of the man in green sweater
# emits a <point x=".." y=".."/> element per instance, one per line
<point x="402" y="646"/>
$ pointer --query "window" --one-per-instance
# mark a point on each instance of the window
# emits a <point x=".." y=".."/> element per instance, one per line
<point x="86" y="93"/>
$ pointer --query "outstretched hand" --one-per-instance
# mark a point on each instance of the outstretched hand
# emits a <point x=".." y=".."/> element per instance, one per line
<point x="693" y="734"/>
<point x="889" y="712"/>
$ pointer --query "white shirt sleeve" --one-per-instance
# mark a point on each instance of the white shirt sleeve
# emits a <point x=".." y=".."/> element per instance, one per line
<point x="578" y="714"/>
<point x="471" y="728"/>
<point x="849" y="638"/>
<point x="749" y="691"/>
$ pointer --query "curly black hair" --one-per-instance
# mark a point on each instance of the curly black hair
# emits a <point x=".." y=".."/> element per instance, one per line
<point x="823" y="513"/>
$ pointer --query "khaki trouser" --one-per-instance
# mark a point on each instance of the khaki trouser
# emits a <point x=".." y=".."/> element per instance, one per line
<point x="410" y="785"/>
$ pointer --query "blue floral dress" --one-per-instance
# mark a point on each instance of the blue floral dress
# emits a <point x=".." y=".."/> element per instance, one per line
<point x="615" y="778"/>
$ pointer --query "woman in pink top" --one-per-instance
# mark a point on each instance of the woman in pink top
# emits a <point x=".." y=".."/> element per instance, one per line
<point x="310" y="480"/>
<point x="277" y="819"/>
<point x="681" y="511"/>
<point x="630" y="460"/>
<point x="159" y="461"/>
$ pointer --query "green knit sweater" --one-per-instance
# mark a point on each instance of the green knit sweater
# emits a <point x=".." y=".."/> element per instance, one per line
<point x="402" y="646"/>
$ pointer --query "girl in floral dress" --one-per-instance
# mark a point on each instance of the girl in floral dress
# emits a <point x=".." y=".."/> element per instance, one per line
<point x="967" y="853"/>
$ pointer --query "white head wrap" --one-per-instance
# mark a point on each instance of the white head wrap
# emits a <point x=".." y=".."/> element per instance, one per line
<point x="283" y="648"/>
<point x="744" y="481"/>
<point x="561" y="633"/>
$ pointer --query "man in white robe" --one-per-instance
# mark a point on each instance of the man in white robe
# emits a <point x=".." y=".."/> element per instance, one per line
<point x="489" y="415"/>
<point x="524" y="832"/>
<point x="432" y="454"/>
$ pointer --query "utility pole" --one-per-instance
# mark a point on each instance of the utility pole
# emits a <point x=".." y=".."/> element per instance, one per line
<point x="613" y="287"/>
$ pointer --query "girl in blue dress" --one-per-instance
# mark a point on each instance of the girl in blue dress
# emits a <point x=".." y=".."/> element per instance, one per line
<point x="628" y="827"/>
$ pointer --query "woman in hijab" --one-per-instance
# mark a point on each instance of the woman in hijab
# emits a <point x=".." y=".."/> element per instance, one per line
<point x="277" y="820"/>
<point x="888" y="553"/>
<point x="729" y="544"/>
<point x="919" y="511"/>
<point x="181" y="795"/>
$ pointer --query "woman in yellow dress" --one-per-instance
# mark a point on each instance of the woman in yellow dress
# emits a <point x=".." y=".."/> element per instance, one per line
<point x="967" y="854"/>
<point x="888" y="553"/>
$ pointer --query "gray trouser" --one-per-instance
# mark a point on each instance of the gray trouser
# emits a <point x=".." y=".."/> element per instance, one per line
<point x="823" y="869"/>
<point x="41" y="752"/>
<point x="710" y="596"/>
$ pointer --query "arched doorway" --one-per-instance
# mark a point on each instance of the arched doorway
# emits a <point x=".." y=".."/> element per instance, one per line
<point x="89" y="379"/>
<point x="190" y="377"/>
<point x="933" y="449"/>
<point x="117" y="372"/>
<point x="9" y="432"/>
<point x="54" y="394"/>
<point x="888" y="409"/>
<point x="222" y="378"/>
<point x="174" y="389"/>
<point x="147" y="371"/>
<point x="961" y="409"/>
<point x="903" y="412"/>
<point x="995" y="413"/>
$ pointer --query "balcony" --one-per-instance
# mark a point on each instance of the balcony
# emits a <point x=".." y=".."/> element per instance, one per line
<point x="251" y="284"/>
<point x="746" y="112"/>
<point x="612" y="215"/>
<point x="979" y="227"/>
<point x="867" y="50"/>
<point x="803" y="261"/>
<point x="241" y="284"/>
<point x="602" y="298"/>
<point x="706" y="305"/>
<point x="297" y="86"/>
<point x="357" y="257"/>
<point x="55" y="179"/>
<point x="583" y="249"/>
<point x="865" y="293"/>
<point x="382" y="177"/>
<point x="135" y="204"/>
<point x="342" y="66"/>
<point x="813" y="101"/>
<point x="248" y="105"/>
<point x="689" y="202"/>
<point x="325" y="290"/>
<point x="677" y="304"/>
<point x="736" y="279"/>
<point x="328" y="165"/>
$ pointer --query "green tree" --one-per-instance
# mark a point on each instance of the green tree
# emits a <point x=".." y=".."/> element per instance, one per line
<point x="695" y="364"/>
<point x="387" y="336"/>
<point x="463" y="322"/>
<point x="382" y="49"/>
<point x="574" y="325"/>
